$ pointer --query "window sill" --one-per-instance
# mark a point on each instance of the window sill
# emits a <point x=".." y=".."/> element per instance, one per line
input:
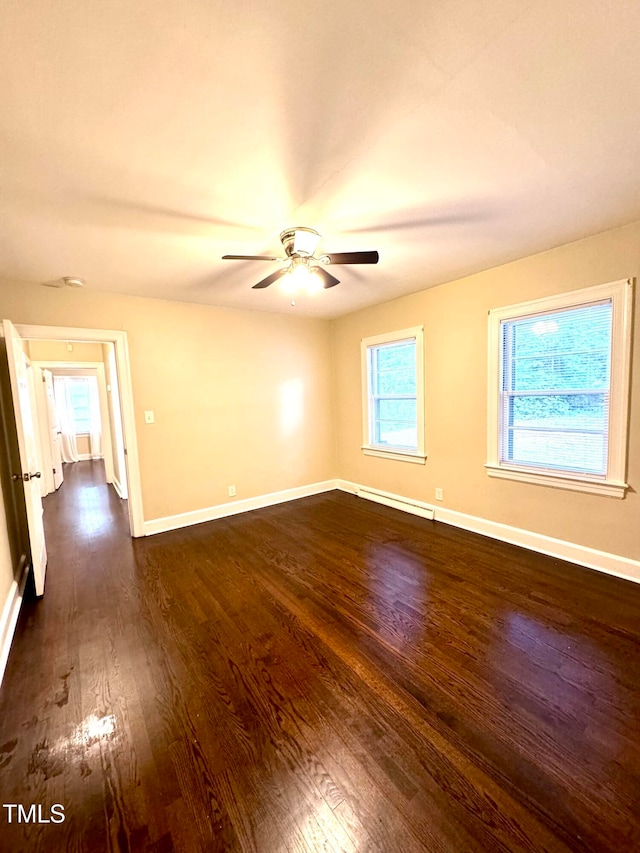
<point x="609" y="488"/>
<point x="398" y="455"/>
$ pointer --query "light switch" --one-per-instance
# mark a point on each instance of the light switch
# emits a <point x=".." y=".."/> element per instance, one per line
<point x="149" y="418"/>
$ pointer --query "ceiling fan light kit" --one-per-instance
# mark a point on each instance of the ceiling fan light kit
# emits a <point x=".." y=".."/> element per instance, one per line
<point x="304" y="269"/>
<point x="300" y="276"/>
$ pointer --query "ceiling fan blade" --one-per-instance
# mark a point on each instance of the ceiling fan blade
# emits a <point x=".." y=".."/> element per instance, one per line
<point x="328" y="280"/>
<point x="270" y="279"/>
<point x="353" y="258"/>
<point x="249" y="258"/>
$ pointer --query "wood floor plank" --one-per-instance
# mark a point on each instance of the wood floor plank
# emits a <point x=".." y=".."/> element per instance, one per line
<point x="328" y="674"/>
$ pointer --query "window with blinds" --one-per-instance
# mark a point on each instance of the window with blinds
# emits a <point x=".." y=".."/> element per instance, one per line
<point x="558" y="389"/>
<point x="556" y="373"/>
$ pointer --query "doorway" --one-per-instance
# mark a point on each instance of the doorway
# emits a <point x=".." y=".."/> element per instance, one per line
<point x="20" y="338"/>
<point x="118" y="359"/>
<point x="79" y="410"/>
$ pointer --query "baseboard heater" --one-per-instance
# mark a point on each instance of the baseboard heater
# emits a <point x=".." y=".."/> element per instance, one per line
<point x="397" y="502"/>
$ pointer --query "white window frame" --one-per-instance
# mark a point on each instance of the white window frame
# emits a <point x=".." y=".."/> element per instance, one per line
<point x="613" y="482"/>
<point x="418" y="456"/>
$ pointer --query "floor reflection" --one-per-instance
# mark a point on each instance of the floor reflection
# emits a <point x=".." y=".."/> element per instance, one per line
<point x="398" y="596"/>
<point x="89" y="505"/>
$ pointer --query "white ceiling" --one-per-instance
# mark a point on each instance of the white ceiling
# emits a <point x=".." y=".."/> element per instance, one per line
<point x="140" y="141"/>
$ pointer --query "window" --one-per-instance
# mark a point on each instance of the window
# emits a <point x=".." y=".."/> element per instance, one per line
<point x="79" y="394"/>
<point x="558" y="389"/>
<point x="393" y="395"/>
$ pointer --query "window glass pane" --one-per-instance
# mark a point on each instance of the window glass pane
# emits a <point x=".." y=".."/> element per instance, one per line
<point x="401" y="381"/>
<point x="394" y="356"/>
<point x="560" y="411"/>
<point x="80" y="404"/>
<point x="568" y="371"/>
<point x="584" y="328"/>
<point x="579" y="452"/>
<point x="397" y="434"/>
<point x="397" y="410"/>
<point x="392" y="381"/>
<point x="568" y="350"/>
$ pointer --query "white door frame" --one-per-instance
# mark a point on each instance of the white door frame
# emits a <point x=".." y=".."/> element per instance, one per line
<point x="47" y="484"/>
<point x="119" y="339"/>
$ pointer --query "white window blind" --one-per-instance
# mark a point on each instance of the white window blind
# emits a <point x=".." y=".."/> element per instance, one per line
<point x="393" y="407"/>
<point x="555" y="389"/>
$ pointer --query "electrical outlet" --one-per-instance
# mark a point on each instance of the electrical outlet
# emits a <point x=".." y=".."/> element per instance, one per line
<point x="149" y="418"/>
<point x="232" y="491"/>
<point x="439" y="496"/>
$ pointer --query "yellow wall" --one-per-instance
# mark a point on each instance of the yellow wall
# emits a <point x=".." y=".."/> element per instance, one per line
<point x="240" y="398"/>
<point x="83" y="443"/>
<point x="454" y="316"/>
<point x="268" y="402"/>
<point x="57" y="351"/>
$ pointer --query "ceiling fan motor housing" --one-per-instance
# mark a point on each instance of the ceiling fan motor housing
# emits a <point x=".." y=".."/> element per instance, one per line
<point x="299" y="241"/>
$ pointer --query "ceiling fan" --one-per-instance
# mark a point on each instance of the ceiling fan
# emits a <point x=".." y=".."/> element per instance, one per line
<point x="301" y="263"/>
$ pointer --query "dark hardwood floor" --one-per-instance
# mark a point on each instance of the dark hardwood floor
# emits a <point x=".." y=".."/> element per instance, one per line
<point x="327" y="674"/>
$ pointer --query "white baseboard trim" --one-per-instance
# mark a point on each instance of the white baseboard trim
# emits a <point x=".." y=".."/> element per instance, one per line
<point x="185" y="519"/>
<point x="601" y="561"/>
<point x="347" y="486"/>
<point x="84" y="457"/>
<point x="10" y="613"/>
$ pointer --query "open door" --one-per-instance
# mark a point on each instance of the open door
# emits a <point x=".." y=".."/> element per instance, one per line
<point x="26" y="429"/>
<point x="55" y="433"/>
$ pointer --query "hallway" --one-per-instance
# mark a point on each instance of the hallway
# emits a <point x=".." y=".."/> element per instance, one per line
<point x="327" y="674"/>
<point x="84" y="509"/>
<point x="63" y="677"/>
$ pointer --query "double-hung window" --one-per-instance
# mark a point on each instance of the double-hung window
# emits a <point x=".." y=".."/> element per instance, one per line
<point x="80" y="398"/>
<point x="558" y="389"/>
<point x="393" y="395"/>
